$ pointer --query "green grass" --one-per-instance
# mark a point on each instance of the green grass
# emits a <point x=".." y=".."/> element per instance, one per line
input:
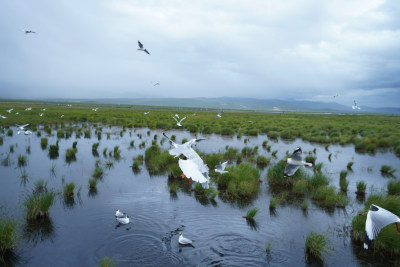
<point x="268" y="247"/>
<point x="318" y="167"/>
<point x="157" y="162"/>
<point x="38" y="204"/>
<point x="43" y="142"/>
<point x="276" y="177"/>
<point x="22" y="160"/>
<point x="350" y="165"/>
<point x="40" y="186"/>
<point x="316" y="245"/>
<point x="304" y="204"/>
<point x="69" y="189"/>
<point x="173" y="187"/>
<point x="343" y="174"/>
<point x="93" y="183"/>
<point x="251" y="213"/>
<point x="107" y="262"/>
<point x="318" y="179"/>
<point x="70" y="154"/>
<point x="8" y="235"/>
<point x="393" y="188"/>
<point x="273" y="202"/>
<point x="97" y="172"/>
<point x="95" y="146"/>
<point x="311" y="159"/>
<point x="388" y="241"/>
<point x="361" y="187"/>
<point x="386" y="169"/>
<point x="262" y="161"/>
<point x="300" y="187"/>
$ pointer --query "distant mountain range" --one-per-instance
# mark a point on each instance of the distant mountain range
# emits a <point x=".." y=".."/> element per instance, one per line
<point x="233" y="103"/>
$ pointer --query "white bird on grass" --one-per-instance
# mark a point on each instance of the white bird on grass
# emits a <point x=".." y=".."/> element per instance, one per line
<point x="95" y="109"/>
<point x="141" y="48"/>
<point x="62" y="116"/>
<point x="3" y="117"/>
<point x="41" y="114"/>
<point x="179" y="122"/>
<point x="146" y="113"/>
<point x="377" y="218"/>
<point x="183" y="240"/>
<point x="355" y="105"/>
<point x="9" y="110"/>
<point x="43" y="109"/>
<point x="218" y="115"/>
<point x="220" y="168"/>
<point x="28" y="109"/>
<point x="124" y="219"/>
<point x="295" y="162"/>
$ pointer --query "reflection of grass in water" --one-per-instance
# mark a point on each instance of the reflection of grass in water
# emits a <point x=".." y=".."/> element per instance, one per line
<point x="107" y="262"/>
<point x="316" y="245"/>
<point x="38" y="230"/>
<point x="388" y="240"/>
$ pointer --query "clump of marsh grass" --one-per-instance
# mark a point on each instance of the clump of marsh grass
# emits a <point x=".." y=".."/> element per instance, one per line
<point x="74" y="144"/>
<point x="262" y="161"/>
<point x="43" y="142"/>
<point x="38" y="204"/>
<point x="361" y="187"/>
<point x="350" y="165"/>
<point x="343" y="181"/>
<point x="276" y="177"/>
<point x="1" y="140"/>
<point x="93" y="183"/>
<point x="273" y="202"/>
<point x="117" y="153"/>
<point x="173" y="187"/>
<point x="304" y="204"/>
<point x="10" y="132"/>
<point x="311" y="159"/>
<point x="8" y="235"/>
<point x="318" y="179"/>
<point x="316" y="245"/>
<point x="28" y="149"/>
<point x="40" y="186"/>
<point x="300" y="187"/>
<point x="251" y="213"/>
<point x="53" y="151"/>
<point x="274" y="153"/>
<point x="393" y="188"/>
<point x="11" y="148"/>
<point x="386" y="169"/>
<point x="94" y="147"/>
<point x="330" y="156"/>
<point x="107" y="262"/>
<point x="132" y="143"/>
<point x="136" y="167"/>
<point x="21" y="160"/>
<point x="69" y="189"/>
<point x="318" y="167"/>
<point x="98" y="172"/>
<point x="70" y="154"/>
<point x="241" y="181"/>
<point x="268" y="247"/>
<point x="341" y="200"/>
<point x="109" y="163"/>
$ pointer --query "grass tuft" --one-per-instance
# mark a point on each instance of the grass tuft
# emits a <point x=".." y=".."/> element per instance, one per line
<point x="251" y="213"/>
<point x="316" y="245"/>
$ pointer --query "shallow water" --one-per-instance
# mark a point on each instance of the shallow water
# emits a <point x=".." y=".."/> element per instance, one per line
<point x="82" y="231"/>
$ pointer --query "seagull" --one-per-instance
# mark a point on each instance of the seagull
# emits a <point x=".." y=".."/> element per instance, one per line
<point x="295" y="162"/>
<point x="9" y="110"/>
<point x="183" y="240"/>
<point x="156" y="84"/>
<point x="27" y="132"/>
<point x="43" y="109"/>
<point x="17" y="113"/>
<point x="3" y="117"/>
<point x="95" y="109"/>
<point x="179" y="122"/>
<point x="22" y="127"/>
<point x="118" y="213"/>
<point x="141" y="48"/>
<point x="41" y="114"/>
<point x="124" y="219"/>
<point x="193" y="167"/>
<point x="377" y="218"/>
<point x="220" y="168"/>
<point x="28" y="109"/>
<point x="146" y="113"/>
<point x="335" y="95"/>
<point x="355" y="105"/>
<point x="28" y="31"/>
<point x="218" y="115"/>
<point x="69" y="106"/>
<point x="62" y="116"/>
<point x="194" y="114"/>
<point x="176" y="115"/>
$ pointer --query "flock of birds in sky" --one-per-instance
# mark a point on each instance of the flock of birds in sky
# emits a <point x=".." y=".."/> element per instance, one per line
<point x="194" y="168"/>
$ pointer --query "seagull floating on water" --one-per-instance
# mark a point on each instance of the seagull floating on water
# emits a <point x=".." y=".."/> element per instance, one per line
<point x="179" y="122"/>
<point x="141" y="48"/>
<point x="295" y="162"/>
<point x="220" y="168"/>
<point x="355" y="105"/>
<point x="156" y="84"/>
<point x="118" y="213"/>
<point x="124" y="219"/>
<point x="193" y="167"/>
<point x="26" y="132"/>
<point x="9" y="110"/>
<point x="377" y="218"/>
<point x="183" y="240"/>
<point x="218" y="115"/>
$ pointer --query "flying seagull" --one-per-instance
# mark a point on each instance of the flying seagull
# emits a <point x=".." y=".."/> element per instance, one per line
<point x="9" y="110"/>
<point x="355" y="105"/>
<point x="43" y="109"/>
<point x="295" y="162"/>
<point x="176" y="115"/>
<point x="179" y="122"/>
<point x="141" y="48"/>
<point x="41" y="114"/>
<point x="22" y="127"/>
<point x="146" y="113"/>
<point x="95" y="109"/>
<point x="183" y="240"/>
<point x="218" y="115"/>
<point x="3" y="117"/>
<point x="220" y="168"/>
<point x="377" y="218"/>
<point x="156" y="84"/>
<point x="28" y="31"/>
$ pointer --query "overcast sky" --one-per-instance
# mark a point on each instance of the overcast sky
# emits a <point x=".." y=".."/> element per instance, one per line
<point x="303" y="49"/>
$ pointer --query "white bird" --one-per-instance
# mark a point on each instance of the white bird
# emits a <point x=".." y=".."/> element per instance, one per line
<point x="26" y="132"/>
<point x="41" y="114"/>
<point x="194" y="114"/>
<point x="124" y="219"/>
<point x="3" y="117"/>
<point x="17" y="113"/>
<point x="218" y="115"/>
<point x="220" y="168"/>
<point x="28" y="109"/>
<point x="62" y="116"/>
<point x="9" y="110"/>
<point x="95" y="109"/>
<point x="146" y="113"/>
<point x="193" y="167"/>
<point x="183" y="240"/>
<point x="22" y="127"/>
<point x="141" y="48"/>
<point x="377" y="218"/>
<point x="43" y="109"/>
<point x="355" y="105"/>
<point x="176" y="115"/>
<point x="179" y="122"/>
<point x="118" y="213"/>
<point x="69" y="106"/>
<point x="295" y="162"/>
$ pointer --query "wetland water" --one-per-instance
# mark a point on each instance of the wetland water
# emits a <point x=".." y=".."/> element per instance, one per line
<point x="82" y="231"/>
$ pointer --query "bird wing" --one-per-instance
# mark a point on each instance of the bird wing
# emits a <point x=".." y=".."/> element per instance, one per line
<point x="191" y="170"/>
<point x="175" y="119"/>
<point x="221" y="166"/>
<point x="296" y="155"/>
<point x="182" y="119"/>
<point x="146" y="51"/>
<point x="290" y="169"/>
<point x="377" y="218"/>
<point x="23" y="126"/>
<point x="140" y="44"/>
